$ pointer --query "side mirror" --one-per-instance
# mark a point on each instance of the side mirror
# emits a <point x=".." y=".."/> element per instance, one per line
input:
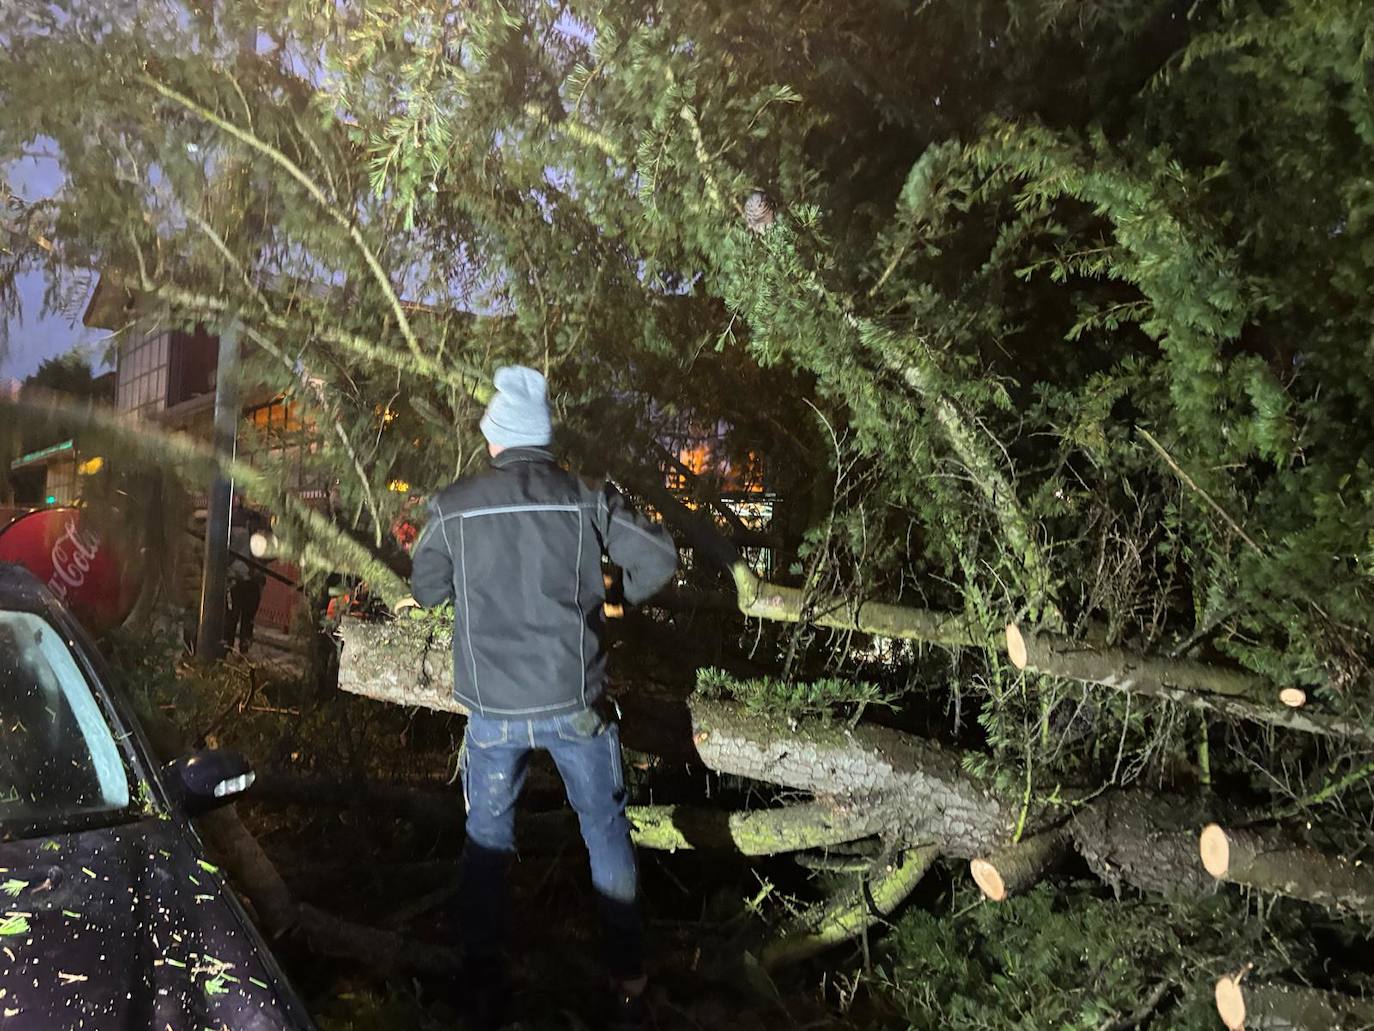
<point x="208" y="779"/>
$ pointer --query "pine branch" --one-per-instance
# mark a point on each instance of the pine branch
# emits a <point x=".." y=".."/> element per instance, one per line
<point x="295" y="172"/>
<point x="190" y="457"/>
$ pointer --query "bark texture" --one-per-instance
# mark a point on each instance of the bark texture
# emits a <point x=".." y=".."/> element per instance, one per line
<point x="1148" y="841"/>
<point x="1283" y="1007"/>
<point x="927" y="795"/>
<point x="1211" y="688"/>
<point x="404" y="661"/>
<point x="1270" y="863"/>
<point x="763" y="600"/>
<point x="1130" y="671"/>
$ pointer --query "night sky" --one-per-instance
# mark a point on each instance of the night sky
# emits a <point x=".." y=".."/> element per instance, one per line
<point x="34" y="337"/>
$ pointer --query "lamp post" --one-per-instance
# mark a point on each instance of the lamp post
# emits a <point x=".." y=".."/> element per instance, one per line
<point x="214" y="572"/>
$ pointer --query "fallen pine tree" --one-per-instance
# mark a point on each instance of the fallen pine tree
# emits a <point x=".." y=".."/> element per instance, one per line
<point x="865" y="780"/>
<point x="908" y="789"/>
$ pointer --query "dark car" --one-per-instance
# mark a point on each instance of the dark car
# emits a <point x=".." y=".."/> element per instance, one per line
<point x="111" y="916"/>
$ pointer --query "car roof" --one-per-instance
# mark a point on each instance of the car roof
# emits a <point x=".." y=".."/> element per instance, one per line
<point x="20" y="589"/>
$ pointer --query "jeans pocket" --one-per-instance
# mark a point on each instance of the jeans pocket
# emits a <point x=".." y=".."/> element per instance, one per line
<point x="612" y="737"/>
<point x="580" y="726"/>
<point x="484" y="733"/>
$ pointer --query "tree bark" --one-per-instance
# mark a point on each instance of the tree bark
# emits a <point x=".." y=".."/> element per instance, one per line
<point x="1145" y="840"/>
<point x="757" y="832"/>
<point x="1196" y="685"/>
<point x="1282" y="1007"/>
<point x="1012" y="868"/>
<point x="763" y="600"/>
<point x="1267" y="862"/>
<point x="919" y="788"/>
<point x="1130" y="671"/>
<point x="404" y="661"/>
<point x="851" y="913"/>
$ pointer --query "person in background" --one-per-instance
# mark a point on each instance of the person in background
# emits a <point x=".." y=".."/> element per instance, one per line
<point x="246" y="578"/>
<point x="518" y="551"/>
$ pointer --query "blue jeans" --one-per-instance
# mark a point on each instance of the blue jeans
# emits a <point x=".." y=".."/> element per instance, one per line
<point x="586" y="749"/>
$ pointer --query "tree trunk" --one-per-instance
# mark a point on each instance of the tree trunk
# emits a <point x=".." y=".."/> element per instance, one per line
<point x="763" y="600"/>
<point x="1130" y="671"/>
<point x="1269" y="863"/>
<point x="851" y="913"/>
<point x="1213" y="688"/>
<point x="404" y="661"/>
<point x="919" y="787"/>
<point x="1147" y="841"/>
<point x="757" y="832"/>
<point x="1012" y="868"/>
<point x="906" y="788"/>
<point x="1283" y="1007"/>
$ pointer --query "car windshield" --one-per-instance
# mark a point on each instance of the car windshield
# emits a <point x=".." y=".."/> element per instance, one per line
<point x="58" y="757"/>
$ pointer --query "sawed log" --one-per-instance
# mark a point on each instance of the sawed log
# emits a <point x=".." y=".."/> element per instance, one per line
<point x="1268" y="862"/>
<point x="907" y="788"/>
<point x="1012" y="868"/>
<point x="1228" y="692"/>
<point x="1243" y="1004"/>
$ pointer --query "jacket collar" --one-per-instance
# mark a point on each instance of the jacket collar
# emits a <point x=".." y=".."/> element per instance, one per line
<point x="521" y="454"/>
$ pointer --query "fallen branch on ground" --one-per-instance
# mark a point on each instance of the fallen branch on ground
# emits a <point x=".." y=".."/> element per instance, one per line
<point x="849" y="914"/>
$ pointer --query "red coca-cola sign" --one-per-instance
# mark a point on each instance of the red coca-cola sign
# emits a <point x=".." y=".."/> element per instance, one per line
<point x="80" y="565"/>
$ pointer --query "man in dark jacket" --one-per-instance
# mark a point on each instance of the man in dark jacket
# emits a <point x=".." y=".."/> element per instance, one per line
<point x="246" y="579"/>
<point x="518" y="550"/>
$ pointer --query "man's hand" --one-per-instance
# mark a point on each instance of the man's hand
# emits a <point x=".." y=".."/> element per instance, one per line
<point x="403" y="604"/>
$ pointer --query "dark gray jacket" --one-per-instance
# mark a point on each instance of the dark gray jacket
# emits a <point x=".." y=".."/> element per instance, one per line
<point x="518" y="550"/>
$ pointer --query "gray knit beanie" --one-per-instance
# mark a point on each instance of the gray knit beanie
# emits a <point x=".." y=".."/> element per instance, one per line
<point x="518" y="416"/>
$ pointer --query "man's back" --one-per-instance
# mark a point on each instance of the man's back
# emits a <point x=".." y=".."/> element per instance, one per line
<point x="518" y="550"/>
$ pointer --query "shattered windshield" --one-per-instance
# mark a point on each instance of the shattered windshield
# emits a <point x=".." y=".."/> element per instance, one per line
<point x="58" y="757"/>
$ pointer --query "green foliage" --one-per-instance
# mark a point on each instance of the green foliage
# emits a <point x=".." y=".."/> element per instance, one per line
<point x="1057" y="958"/>
<point x="824" y="699"/>
<point x="1010" y="235"/>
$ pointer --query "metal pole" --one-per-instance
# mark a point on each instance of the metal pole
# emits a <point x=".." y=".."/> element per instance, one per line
<point x="214" y="574"/>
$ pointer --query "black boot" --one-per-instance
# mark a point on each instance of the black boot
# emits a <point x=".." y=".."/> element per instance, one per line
<point x="486" y="996"/>
<point x="628" y="1011"/>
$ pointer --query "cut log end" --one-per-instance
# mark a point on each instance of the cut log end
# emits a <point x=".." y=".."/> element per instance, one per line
<point x="1293" y="697"/>
<point x="987" y="878"/>
<point x="1231" y="1003"/>
<point x="1215" y="850"/>
<point x="1016" y="647"/>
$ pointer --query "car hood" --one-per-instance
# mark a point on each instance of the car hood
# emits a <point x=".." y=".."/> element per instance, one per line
<point x="126" y="927"/>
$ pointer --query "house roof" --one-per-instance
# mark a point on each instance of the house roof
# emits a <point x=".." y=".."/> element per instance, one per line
<point x="112" y="304"/>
